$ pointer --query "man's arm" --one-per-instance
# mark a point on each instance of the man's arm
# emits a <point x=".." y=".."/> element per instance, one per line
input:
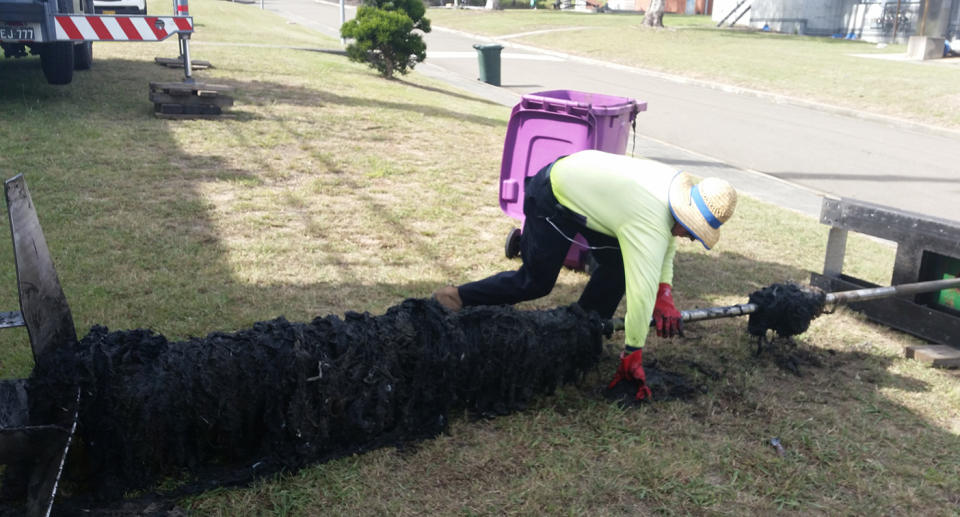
<point x="644" y="253"/>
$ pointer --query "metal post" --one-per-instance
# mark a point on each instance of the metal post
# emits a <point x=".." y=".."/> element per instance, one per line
<point x="731" y="12"/>
<point x="836" y="249"/>
<point x="181" y="8"/>
<point x="343" y="19"/>
<point x="923" y="20"/>
<point x="185" y="54"/>
<point x="896" y="23"/>
<point x="876" y="293"/>
<point x="735" y="20"/>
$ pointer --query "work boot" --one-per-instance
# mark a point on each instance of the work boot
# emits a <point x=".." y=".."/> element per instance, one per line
<point x="449" y="297"/>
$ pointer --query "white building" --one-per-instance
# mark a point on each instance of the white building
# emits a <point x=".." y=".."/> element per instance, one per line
<point x="870" y="20"/>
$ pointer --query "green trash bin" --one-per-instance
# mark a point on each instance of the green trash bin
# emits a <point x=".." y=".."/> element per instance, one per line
<point x="489" y="57"/>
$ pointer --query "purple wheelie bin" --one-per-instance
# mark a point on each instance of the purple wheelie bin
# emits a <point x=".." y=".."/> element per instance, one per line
<point x="547" y="125"/>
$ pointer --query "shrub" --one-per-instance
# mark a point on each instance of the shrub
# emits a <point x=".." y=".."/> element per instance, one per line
<point x="383" y="37"/>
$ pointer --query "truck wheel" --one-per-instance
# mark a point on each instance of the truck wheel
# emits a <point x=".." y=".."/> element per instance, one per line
<point x="83" y="53"/>
<point x="83" y="56"/>
<point x="56" y="59"/>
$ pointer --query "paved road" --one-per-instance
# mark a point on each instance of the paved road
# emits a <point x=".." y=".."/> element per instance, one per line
<point x="778" y="149"/>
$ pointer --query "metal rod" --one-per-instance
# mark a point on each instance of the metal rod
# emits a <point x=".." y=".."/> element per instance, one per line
<point x="735" y="20"/>
<point x="923" y="21"/>
<point x="731" y="12"/>
<point x="712" y="313"/>
<point x="841" y="297"/>
<point x="875" y="293"/>
<point x="185" y="54"/>
<point x="709" y="313"/>
<point x="896" y="22"/>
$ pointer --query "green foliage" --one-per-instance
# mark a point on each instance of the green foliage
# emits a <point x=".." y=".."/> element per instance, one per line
<point x="414" y="9"/>
<point x="383" y="35"/>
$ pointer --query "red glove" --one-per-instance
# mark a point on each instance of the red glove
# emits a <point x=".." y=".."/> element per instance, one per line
<point x="668" y="319"/>
<point x="631" y="369"/>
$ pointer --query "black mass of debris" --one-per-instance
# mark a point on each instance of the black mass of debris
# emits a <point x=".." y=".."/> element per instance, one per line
<point x="284" y="395"/>
<point x="787" y="309"/>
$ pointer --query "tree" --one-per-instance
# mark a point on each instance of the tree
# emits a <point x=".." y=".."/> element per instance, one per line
<point x="415" y="9"/>
<point x="654" y="15"/>
<point x="383" y="35"/>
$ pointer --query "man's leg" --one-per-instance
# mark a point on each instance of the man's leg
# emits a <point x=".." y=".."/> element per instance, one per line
<point x="606" y="286"/>
<point x="542" y="249"/>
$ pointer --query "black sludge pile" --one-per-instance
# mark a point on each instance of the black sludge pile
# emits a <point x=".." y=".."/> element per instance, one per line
<point x="282" y="395"/>
<point x="787" y="309"/>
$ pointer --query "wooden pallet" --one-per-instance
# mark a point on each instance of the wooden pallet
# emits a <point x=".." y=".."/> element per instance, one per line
<point x="177" y="62"/>
<point x="938" y="356"/>
<point x="189" y="100"/>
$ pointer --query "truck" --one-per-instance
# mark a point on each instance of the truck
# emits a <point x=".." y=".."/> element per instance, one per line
<point x="62" y="32"/>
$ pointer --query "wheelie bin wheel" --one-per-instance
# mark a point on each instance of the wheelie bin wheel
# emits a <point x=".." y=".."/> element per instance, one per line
<point x="590" y="264"/>
<point x="512" y="246"/>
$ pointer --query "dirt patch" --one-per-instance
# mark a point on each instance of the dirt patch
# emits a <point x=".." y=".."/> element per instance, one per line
<point x="674" y="381"/>
<point x="230" y="407"/>
<point x="789" y="356"/>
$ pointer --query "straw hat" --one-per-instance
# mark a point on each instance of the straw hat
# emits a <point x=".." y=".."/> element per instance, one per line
<point x="702" y="207"/>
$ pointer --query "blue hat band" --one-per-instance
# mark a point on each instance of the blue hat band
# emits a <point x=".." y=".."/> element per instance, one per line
<point x="702" y="206"/>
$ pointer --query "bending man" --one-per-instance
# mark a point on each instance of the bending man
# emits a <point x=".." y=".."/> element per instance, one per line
<point x="629" y="210"/>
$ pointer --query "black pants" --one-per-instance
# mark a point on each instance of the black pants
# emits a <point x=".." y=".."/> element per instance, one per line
<point x="543" y="249"/>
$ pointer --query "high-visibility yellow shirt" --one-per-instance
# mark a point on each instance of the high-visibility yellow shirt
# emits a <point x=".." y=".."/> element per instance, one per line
<point x="626" y="198"/>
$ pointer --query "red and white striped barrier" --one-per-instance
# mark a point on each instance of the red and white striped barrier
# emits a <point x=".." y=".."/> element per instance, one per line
<point x="120" y="28"/>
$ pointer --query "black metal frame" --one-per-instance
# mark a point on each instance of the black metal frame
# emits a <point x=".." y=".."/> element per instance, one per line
<point x="35" y="450"/>
<point x="918" y="237"/>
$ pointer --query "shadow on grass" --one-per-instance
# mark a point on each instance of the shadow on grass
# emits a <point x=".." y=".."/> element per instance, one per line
<point x="25" y="76"/>
<point x="259" y="93"/>
<point x="85" y="176"/>
<point x="448" y="93"/>
<point x="728" y="273"/>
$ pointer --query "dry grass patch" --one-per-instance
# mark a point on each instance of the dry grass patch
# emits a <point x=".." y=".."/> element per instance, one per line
<point x="819" y="69"/>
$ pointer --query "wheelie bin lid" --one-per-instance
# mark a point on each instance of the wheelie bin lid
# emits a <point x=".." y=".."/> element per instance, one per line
<point x="546" y="125"/>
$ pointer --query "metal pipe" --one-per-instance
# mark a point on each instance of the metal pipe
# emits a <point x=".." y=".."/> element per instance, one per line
<point x="923" y="21"/>
<point x="731" y="12"/>
<point x="875" y="293"/>
<point x="841" y="297"/>
<point x="735" y="20"/>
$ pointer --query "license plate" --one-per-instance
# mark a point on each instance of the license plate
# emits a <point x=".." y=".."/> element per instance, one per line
<point x="109" y="11"/>
<point x="16" y="33"/>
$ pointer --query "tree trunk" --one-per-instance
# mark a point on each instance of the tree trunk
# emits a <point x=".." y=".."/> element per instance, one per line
<point x="654" y="15"/>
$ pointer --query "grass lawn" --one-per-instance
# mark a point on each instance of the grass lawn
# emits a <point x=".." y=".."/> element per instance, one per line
<point x="327" y="189"/>
<point x="825" y="70"/>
